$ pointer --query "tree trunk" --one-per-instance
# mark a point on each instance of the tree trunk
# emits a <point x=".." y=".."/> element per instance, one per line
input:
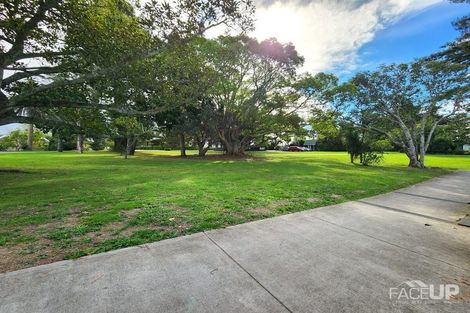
<point x="132" y="146"/>
<point x="30" y="136"/>
<point x="182" y="145"/>
<point x="351" y="156"/>
<point x="422" y="151"/>
<point x="126" y="150"/>
<point x="414" y="161"/>
<point x="59" y="144"/>
<point x="232" y="144"/>
<point x="80" y="143"/>
<point x="119" y="145"/>
<point x="234" y="148"/>
<point x="202" y="150"/>
<point x="201" y="145"/>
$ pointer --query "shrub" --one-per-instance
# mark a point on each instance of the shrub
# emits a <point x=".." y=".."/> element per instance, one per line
<point x="371" y="157"/>
<point x="98" y="144"/>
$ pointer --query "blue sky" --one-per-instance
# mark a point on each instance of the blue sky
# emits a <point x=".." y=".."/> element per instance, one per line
<point x="414" y="35"/>
<point x="345" y="36"/>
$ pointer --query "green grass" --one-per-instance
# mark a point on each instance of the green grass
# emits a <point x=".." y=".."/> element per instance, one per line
<point x="65" y="205"/>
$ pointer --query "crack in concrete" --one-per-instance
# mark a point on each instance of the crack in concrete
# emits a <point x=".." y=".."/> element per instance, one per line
<point x="248" y="273"/>
<point x="428" y="197"/>
<point x="406" y="212"/>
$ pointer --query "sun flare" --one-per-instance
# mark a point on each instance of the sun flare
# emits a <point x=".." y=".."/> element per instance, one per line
<point x="279" y="22"/>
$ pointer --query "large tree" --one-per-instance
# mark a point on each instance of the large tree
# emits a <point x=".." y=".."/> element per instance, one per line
<point x="253" y="88"/>
<point x="57" y="43"/>
<point x="407" y="102"/>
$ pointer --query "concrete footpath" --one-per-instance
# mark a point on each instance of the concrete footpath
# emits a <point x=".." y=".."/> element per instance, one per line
<point x="371" y="255"/>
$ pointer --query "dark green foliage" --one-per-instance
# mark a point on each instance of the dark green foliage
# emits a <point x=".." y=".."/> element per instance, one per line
<point x="67" y="143"/>
<point x="98" y="144"/>
<point x="363" y="146"/>
<point x="354" y="144"/>
<point x="371" y="158"/>
<point x="330" y="144"/>
<point x="452" y="135"/>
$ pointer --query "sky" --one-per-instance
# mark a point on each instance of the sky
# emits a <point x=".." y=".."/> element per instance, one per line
<point x="347" y="36"/>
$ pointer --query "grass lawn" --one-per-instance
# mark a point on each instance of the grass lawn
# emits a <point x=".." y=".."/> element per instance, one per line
<point x="56" y="206"/>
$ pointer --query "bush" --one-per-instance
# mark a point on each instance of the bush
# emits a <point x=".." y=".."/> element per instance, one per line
<point x="68" y="143"/>
<point x="371" y="157"/>
<point x="330" y="144"/>
<point x="98" y="144"/>
<point x="18" y="140"/>
<point x="442" y="145"/>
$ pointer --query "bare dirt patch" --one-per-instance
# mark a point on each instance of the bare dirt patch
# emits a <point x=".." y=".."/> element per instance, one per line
<point x="131" y="213"/>
<point x="270" y="207"/>
<point x="9" y="260"/>
<point x="261" y="211"/>
<point x="313" y="200"/>
<point x="21" y="256"/>
<point x="181" y="228"/>
<point x="279" y="203"/>
<point x="359" y="191"/>
<point x="176" y="208"/>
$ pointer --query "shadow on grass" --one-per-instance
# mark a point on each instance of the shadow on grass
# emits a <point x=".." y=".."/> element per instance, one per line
<point x="13" y="170"/>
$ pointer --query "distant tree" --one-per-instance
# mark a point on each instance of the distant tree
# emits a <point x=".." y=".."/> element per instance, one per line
<point x="283" y="130"/>
<point x="354" y="144"/>
<point x="200" y="128"/>
<point x="326" y="122"/>
<point x="130" y="129"/>
<point x="81" y="122"/>
<point x="451" y="135"/>
<point x="18" y="140"/>
<point x="188" y="79"/>
<point x="326" y="115"/>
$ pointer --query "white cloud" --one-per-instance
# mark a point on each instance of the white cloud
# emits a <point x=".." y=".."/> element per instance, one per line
<point x="329" y="33"/>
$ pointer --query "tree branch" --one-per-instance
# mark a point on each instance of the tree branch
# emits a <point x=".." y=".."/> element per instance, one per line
<point x="17" y="47"/>
<point x="439" y="121"/>
<point x="378" y="130"/>
<point x="30" y="73"/>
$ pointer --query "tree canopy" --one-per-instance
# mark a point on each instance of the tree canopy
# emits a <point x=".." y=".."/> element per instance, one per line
<point x="406" y="102"/>
<point x="48" y="45"/>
